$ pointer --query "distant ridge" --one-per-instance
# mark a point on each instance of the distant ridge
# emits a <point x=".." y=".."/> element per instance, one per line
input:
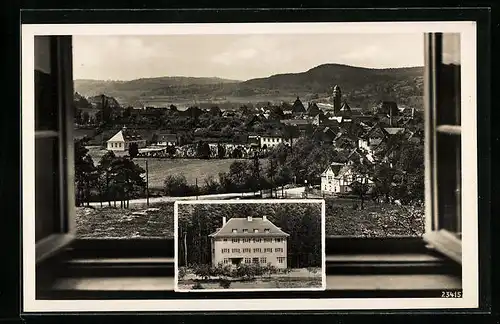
<point x="360" y="86"/>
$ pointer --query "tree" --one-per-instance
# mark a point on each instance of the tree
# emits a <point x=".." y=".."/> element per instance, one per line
<point x="105" y="170"/>
<point x="221" y="151"/>
<point x="203" y="150"/>
<point x="360" y="189"/>
<point x="154" y="138"/>
<point x="133" y="150"/>
<point x="84" y="169"/>
<point x="126" y="179"/>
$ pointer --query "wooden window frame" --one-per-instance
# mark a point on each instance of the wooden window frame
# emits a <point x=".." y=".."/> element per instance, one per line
<point x="61" y="58"/>
<point x="435" y="235"/>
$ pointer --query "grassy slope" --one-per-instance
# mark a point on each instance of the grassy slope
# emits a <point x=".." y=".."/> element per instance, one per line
<point x="375" y="221"/>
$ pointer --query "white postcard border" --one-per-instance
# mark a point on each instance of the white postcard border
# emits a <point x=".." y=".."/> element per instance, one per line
<point x="469" y="178"/>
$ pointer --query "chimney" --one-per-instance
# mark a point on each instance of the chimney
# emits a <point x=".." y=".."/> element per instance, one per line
<point x="264" y="217"/>
<point x="223" y="220"/>
<point x="249" y="218"/>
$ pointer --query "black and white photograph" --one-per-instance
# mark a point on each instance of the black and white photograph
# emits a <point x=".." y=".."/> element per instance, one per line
<point x="257" y="245"/>
<point x="316" y="162"/>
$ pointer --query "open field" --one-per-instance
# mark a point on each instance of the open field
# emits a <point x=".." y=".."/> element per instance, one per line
<point x="159" y="169"/>
<point x="376" y="220"/>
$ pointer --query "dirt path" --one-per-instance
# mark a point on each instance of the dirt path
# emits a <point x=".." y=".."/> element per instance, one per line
<point x="291" y="192"/>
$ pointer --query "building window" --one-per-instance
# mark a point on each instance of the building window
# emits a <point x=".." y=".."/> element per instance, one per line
<point x="247" y="250"/>
<point x="235" y="240"/>
<point x="248" y="260"/>
<point x="277" y="240"/>
<point x="246" y="240"/>
<point x="266" y="230"/>
<point x="268" y="240"/>
<point x="255" y="230"/>
<point x="235" y="230"/>
<point x="268" y="250"/>
<point x="257" y="240"/>
<point x="278" y="249"/>
<point x="235" y="250"/>
<point x="263" y="260"/>
<point x="255" y="260"/>
<point x="245" y="230"/>
<point x="226" y="260"/>
<point x="225" y="250"/>
<point x="224" y="240"/>
<point x="256" y="250"/>
<point x="281" y="259"/>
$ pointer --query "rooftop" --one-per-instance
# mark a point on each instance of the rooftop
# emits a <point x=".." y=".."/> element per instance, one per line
<point x="263" y="226"/>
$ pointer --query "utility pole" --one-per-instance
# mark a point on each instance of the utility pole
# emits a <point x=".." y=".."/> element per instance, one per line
<point x="147" y="183"/>
<point x="185" y="250"/>
<point x="196" y="181"/>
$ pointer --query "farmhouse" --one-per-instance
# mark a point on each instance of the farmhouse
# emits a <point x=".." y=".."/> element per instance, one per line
<point x="122" y="140"/>
<point x="250" y="241"/>
<point x="338" y="177"/>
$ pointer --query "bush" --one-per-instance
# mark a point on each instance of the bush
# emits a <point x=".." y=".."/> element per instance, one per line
<point x="224" y="283"/>
<point x="181" y="273"/>
<point x="197" y="285"/>
<point x="176" y="185"/>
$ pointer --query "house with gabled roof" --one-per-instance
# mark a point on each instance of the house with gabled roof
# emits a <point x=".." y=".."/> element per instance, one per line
<point x="123" y="138"/>
<point x="249" y="240"/>
<point x="338" y="177"/>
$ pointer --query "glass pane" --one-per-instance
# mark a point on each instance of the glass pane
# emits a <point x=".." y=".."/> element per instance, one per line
<point x="449" y="176"/>
<point x="45" y="85"/>
<point x="449" y="85"/>
<point x="46" y="187"/>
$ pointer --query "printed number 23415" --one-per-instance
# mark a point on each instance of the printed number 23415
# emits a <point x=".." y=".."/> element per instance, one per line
<point x="451" y="294"/>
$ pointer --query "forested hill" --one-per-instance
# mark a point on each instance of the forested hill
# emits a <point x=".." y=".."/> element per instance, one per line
<point x="360" y="86"/>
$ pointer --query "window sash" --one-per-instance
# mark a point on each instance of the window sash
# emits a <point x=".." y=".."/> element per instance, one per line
<point x="61" y="61"/>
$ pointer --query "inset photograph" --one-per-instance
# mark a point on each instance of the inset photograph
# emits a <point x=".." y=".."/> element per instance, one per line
<point x="251" y="245"/>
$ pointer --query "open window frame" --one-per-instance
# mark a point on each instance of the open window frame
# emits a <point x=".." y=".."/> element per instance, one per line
<point x="150" y="257"/>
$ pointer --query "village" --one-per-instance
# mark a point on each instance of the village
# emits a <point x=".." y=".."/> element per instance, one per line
<point x="354" y="137"/>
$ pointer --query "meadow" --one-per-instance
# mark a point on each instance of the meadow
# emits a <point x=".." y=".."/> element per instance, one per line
<point x="159" y="168"/>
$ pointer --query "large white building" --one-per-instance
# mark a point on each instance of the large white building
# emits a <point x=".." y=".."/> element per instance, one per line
<point x="249" y="241"/>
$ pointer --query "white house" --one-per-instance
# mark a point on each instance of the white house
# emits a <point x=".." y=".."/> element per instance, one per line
<point x="122" y="140"/>
<point x="250" y="241"/>
<point x="271" y="141"/>
<point x="338" y="177"/>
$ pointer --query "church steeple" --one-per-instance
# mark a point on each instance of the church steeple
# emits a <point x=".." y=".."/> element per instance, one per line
<point x="337" y="100"/>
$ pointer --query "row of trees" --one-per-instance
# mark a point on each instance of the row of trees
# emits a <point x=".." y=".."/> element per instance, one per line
<point x="113" y="179"/>
<point x="301" y="221"/>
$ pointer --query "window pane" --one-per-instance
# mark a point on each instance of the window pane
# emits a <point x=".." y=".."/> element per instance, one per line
<point x="46" y="188"/>
<point x="449" y="175"/>
<point x="45" y="85"/>
<point x="449" y="85"/>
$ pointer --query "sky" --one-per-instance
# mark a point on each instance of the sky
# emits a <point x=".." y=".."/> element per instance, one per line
<point x="237" y="57"/>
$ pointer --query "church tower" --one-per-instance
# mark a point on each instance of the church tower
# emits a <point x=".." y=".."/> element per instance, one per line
<point x="337" y="100"/>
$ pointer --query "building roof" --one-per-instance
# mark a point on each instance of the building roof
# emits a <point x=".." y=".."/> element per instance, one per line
<point x="298" y="107"/>
<point x="394" y="130"/>
<point x="296" y="122"/>
<point x="335" y="167"/>
<point x="261" y="224"/>
<point x="167" y="137"/>
<point x="125" y="135"/>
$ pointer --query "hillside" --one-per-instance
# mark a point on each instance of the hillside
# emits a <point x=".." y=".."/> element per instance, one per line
<point x="361" y="87"/>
